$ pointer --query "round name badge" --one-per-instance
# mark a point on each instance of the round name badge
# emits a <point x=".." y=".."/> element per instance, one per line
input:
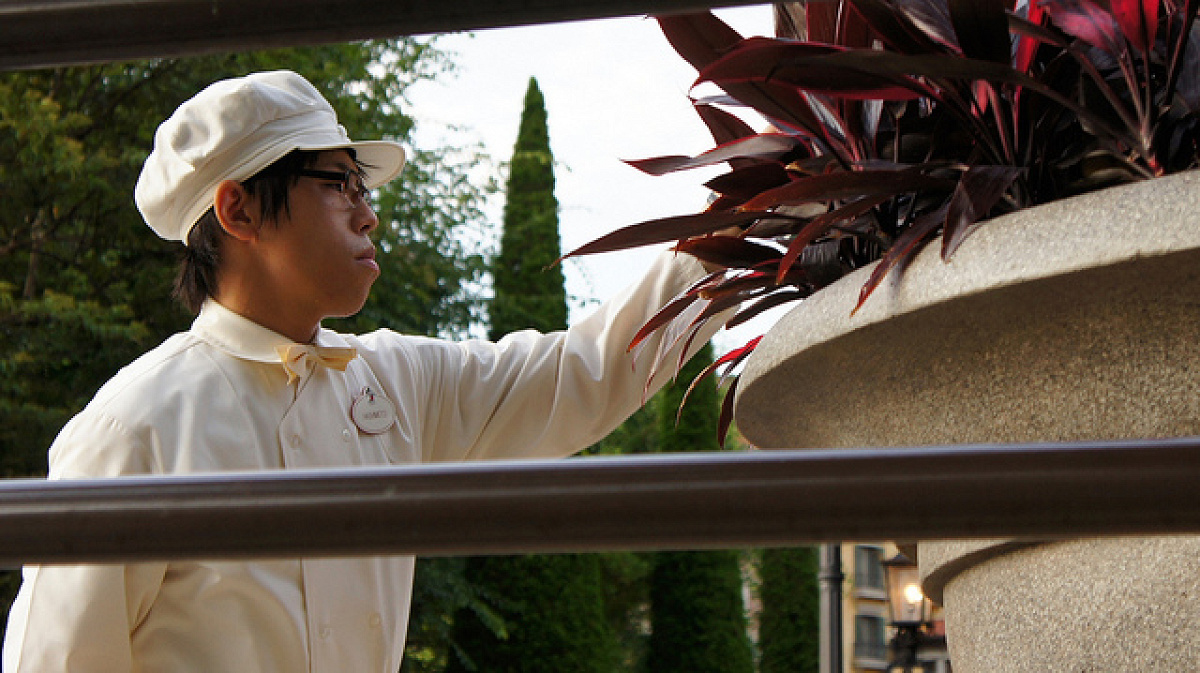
<point x="372" y="413"/>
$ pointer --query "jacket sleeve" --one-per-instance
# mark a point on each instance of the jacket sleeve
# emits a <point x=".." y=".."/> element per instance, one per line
<point x="80" y="618"/>
<point x="549" y="395"/>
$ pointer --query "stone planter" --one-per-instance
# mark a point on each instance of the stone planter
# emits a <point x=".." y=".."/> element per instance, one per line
<point x="1076" y="320"/>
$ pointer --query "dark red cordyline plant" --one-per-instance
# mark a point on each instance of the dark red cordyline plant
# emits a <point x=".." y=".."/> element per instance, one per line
<point x="894" y="121"/>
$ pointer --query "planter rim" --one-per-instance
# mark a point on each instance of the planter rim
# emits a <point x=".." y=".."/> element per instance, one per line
<point x="1140" y="220"/>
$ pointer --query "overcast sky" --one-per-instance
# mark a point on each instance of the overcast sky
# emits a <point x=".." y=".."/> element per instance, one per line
<point x="614" y="90"/>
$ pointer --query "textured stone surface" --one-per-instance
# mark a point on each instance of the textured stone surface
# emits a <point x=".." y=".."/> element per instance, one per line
<point x="1076" y="606"/>
<point x="1077" y="320"/>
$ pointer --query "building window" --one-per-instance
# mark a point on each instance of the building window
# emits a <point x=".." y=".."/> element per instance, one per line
<point x="868" y="568"/>
<point x="870" y="638"/>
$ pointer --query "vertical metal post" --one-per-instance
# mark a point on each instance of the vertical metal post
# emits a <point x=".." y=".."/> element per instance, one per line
<point x="831" y="608"/>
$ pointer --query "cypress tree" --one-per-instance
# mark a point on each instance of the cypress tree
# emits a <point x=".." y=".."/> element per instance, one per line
<point x="530" y="291"/>
<point x="697" y="615"/>
<point x="551" y="607"/>
<point x="789" y="626"/>
<point x="626" y="575"/>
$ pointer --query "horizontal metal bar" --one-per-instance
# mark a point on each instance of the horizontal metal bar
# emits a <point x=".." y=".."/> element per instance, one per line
<point x="41" y="33"/>
<point x="677" y="501"/>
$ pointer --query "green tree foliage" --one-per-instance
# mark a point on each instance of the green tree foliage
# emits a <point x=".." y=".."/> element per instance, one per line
<point x="439" y="591"/>
<point x="698" y="621"/>
<point x="85" y="285"/>
<point x="552" y="607"/>
<point x="697" y="615"/>
<point x="789" y="626"/>
<point x="530" y="289"/>
<point x="627" y="574"/>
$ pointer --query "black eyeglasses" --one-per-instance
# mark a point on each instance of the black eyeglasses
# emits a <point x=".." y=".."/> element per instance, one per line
<point x="353" y="185"/>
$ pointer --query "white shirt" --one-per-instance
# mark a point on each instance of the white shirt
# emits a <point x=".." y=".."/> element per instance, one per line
<point x="216" y="398"/>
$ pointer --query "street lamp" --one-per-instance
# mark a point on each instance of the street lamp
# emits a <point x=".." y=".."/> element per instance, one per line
<point x="910" y="611"/>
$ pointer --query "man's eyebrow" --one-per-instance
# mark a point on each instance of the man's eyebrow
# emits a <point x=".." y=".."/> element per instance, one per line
<point x="342" y="165"/>
<point x="351" y="166"/>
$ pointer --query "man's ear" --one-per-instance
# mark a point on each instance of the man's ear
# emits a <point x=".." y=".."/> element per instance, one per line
<point x="237" y="211"/>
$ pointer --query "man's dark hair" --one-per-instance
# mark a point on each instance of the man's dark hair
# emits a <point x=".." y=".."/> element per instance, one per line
<point x="197" y="277"/>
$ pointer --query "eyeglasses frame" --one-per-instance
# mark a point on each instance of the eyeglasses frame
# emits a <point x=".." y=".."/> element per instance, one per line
<point x="354" y="197"/>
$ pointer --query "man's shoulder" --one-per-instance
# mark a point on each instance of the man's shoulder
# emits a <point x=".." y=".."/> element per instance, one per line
<point x="388" y="342"/>
<point x="404" y="357"/>
<point x="113" y="433"/>
<point x="165" y="366"/>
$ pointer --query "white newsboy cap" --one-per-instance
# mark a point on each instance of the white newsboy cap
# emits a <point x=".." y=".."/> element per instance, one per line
<point x="233" y="129"/>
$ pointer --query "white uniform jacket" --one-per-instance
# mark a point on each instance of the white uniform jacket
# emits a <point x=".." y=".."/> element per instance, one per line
<point x="216" y="398"/>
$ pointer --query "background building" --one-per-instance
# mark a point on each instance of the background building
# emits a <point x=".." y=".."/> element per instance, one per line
<point x="866" y="627"/>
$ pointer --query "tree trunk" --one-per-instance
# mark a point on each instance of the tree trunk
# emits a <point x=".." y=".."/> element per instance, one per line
<point x="37" y="237"/>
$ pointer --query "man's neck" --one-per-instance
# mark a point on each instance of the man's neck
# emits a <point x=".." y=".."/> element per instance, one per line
<point x="285" y="320"/>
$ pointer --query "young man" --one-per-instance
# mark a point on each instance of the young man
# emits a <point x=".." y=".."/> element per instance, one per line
<point x="271" y="197"/>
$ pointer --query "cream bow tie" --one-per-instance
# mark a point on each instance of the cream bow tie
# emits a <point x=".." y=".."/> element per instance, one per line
<point x="299" y="359"/>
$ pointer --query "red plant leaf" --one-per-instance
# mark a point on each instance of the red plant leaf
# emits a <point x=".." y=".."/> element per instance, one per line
<point x="741" y="286"/>
<point x="894" y="27"/>
<point x="726" y="418"/>
<point x="717" y="304"/>
<point x="746" y="182"/>
<point x="765" y="304"/>
<point x="1186" y="67"/>
<point x="900" y="70"/>
<point x="846" y="185"/>
<point x="788" y="20"/>
<point x="724" y="127"/>
<point x="821" y="19"/>
<point x="853" y="29"/>
<point x="821" y="224"/>
<point x="728" y="251"/>
<point x="1138" y="20"/>
<point x="979" y="189"/>
<point x="1034" y="29"/>
<point x="725" y="203"/>
<point x="731" y="359"/>
<point x="1087" y="21"/>
<point x="783" y="105"/>
<point x="932" y="18"/>
<point x="670" y="229"/>
<point x="905" y="69"/>
<point x="665" y="315"/>
<point x="736" y="355"/>
<point x="762" y="146"/>
<point x="1183" y="75"/>
<point x="680" y="326"/>
<point x="907" y="245"/>
<point x="700" y="38"/>
<point x="760" y="54"/>
<point x="1026" y="44"/>
<point x="703" y="38"/>
<point x="761" y="60"/>
<point x="982" y="29"/>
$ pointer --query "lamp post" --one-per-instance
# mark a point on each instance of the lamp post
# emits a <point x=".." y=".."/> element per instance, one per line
<point x="910" y="612"/>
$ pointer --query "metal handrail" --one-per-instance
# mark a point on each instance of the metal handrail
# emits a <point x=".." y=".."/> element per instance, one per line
<point x="675" y="501"/>
<point x="43" y="33"/>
